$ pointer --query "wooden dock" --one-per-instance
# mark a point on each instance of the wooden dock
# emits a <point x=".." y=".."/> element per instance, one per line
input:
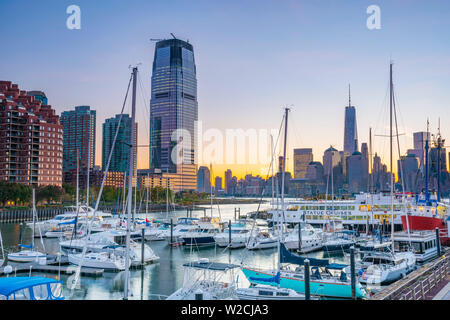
<point x="419" y="284"/>
<point x="53" y="265"/>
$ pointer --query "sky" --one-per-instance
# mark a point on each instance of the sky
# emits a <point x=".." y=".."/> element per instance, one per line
<point x="253" y="58"/>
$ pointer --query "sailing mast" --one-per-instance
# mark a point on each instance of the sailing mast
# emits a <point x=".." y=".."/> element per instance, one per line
<point x="391" y="158"/>
<point x="130" y="184"/>
<point x="280" y="226"/>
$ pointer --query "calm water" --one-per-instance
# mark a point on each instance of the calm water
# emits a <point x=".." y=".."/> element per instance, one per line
<point x="164" y="277"/>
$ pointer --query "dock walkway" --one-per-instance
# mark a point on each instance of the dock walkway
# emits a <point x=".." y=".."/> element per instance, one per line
<point x="422" y="284"/>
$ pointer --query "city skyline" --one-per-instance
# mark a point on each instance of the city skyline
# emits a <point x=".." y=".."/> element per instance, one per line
<point x="327" y="66"/>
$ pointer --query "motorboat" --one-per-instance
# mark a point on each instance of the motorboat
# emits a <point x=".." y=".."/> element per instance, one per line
<point x="422" y="243"/>
<point x="385" y="267"/>
<point x="239" y="235"/>
<point x="338" y="241"/>
<point x="203" y="235"/>
<point x="100" y="260"/>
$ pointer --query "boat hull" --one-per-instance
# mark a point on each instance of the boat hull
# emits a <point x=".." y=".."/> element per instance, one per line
<point x="415" y="222"/>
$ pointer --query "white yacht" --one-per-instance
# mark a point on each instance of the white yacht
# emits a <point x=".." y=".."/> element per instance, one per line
<point x="27" y="256"/>
<point x="385" y="267"/>
<point x="240" y="234"/>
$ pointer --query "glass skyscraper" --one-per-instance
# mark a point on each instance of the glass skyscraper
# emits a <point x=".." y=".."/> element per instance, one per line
<point x="120" y="160"/>
<point x="350" y="131"/>
<point x="79" y="134"/>
<point x="173" y="112"/>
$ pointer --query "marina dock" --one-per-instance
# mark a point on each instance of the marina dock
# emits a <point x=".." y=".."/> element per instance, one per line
<point x="52" y="266"/>
<point x="425" y="283"/>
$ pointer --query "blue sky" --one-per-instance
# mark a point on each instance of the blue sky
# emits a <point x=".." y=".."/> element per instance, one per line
<point x="252" y="58"/>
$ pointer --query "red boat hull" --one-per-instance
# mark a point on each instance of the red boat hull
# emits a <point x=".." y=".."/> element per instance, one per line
<point x="427" y="223"/>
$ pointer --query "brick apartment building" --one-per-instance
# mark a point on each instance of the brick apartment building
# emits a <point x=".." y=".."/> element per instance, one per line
<point x="31" y="138"/>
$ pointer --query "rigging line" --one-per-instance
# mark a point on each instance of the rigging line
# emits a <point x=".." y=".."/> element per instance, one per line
<point x="144" y="99"/>
<point x="89" y="224"/>
<point x="264" y="187"/>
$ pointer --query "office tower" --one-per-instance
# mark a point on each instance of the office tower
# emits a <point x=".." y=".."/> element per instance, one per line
<point x="79" y="135"/>
<point x="120" y="159"/>
<point x="331" y="159"/>
<point x="408" y="174"/>
<point x="280" y="164"/>
<point x="31" y="139"/>
<point x="218" y="184"/>
<point x="173" y="112"/>
<point x="357" y="169"/>
<point x="203" y="179"/>
<point x="302" y="158"/>
<point x="420" y="139"/>
<point x="228" y="182"/>
<point x="350" y="129"/>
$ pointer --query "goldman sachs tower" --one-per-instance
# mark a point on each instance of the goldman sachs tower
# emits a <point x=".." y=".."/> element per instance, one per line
<point x="173" y="113"/>
<point x="350" y="131"/>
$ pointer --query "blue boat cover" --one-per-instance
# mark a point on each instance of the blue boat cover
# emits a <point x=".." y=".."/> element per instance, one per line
<point x="288" y="257"/>
<point x="13" y="284"/>
<point x="26" y="246"/>
<point x="275" y="279"/>
<point x="337" y="266"/>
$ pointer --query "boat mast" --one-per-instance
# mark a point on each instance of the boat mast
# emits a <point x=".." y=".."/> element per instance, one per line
<point x="371" y="191"/>
<point x="273" y="182"/>
<point x="211" y="180"/>
<point x="391" y="159"/>
<point x="87" y="167"/>
<point x="280" y="225"/>
<point x="78" y="187"/>
<point x="130" y="184"/>
<point x="427" y="193"/>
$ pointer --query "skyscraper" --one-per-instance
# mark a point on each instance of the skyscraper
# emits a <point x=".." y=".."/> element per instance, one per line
<point x="228" y="182"/>
<point x="203" y="179"/>
<point x="302" y="158"/>
<point x="174" y="111"/>
<point x="420" y="139"/>
<point x="79" y="135"/>
<point x="120" y="159"/>
<point x="350" y="130"/>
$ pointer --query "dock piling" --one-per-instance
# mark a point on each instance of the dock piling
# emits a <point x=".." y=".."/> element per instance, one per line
<point x="438" y="242"/>
<point x="307" y="281"/>
<point x="352" y="271"/>
<point x="142" y="247"/>
<point x="229" y="233"/>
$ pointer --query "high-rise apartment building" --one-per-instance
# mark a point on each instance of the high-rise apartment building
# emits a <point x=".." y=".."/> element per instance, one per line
<point x="31" y="139"/>
<point x="120" y="160"/>
<point x="79" y="136"/>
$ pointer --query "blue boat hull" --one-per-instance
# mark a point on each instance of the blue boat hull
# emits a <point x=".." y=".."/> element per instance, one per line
<point x="325" y="289"/>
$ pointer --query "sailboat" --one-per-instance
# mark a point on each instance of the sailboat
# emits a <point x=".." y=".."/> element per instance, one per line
<point x="28" y="254"/>
<point x="388" y="265"/>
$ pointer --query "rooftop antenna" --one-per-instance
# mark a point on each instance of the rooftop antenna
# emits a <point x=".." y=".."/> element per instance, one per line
<point x="173" y="35"/>
<point x="349" y="96"/>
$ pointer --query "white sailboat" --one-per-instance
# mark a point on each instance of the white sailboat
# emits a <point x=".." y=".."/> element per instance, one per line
<point x="99" y="260"/>
<point x="29" y="254"/>
<point x="386" y="266"/>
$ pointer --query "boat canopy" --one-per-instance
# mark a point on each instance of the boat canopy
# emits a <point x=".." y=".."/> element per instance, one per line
<point x="215" y="266"/>
<point x="9" y="286"/>
<point x="275" y="279"/>
<point x="337" y="266"/>
<point x="288" y="257"/>
<point x="26" y="246"/>
<point x="69" y="222"/>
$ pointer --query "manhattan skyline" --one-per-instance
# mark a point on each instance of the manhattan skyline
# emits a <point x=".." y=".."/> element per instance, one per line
<point x="270" y="54"/>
